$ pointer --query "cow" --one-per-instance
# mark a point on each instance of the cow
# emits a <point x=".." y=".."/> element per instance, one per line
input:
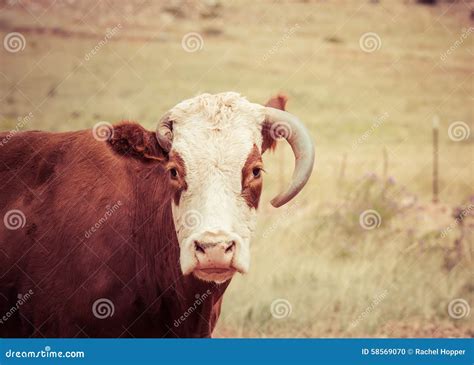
<point x="120" y="231"/>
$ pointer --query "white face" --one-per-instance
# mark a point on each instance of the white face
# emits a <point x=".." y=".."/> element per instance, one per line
<point x="213" y="137"/>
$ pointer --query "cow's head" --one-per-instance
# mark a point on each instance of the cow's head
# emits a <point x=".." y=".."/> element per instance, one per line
<point x="214" y="145"/>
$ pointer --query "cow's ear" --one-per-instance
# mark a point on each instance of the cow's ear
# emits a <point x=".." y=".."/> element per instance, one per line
<point x="131" y="139"/>
<point x="269" y="142"/>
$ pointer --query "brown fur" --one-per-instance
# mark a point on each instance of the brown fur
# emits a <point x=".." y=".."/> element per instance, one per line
<point x="133" y="140"/>
<point x="63" y="184"/>
<point x="252" y="186"/>
<point x="178" y="184"/>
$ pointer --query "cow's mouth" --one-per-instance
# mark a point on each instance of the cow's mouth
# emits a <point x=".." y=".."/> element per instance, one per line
<point x="218" y="275"/>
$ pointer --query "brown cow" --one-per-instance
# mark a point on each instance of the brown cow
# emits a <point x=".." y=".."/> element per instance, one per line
<point x="123" y="232"/>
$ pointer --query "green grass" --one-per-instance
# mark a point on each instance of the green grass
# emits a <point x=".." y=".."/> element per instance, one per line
<point x="316" y="256"/>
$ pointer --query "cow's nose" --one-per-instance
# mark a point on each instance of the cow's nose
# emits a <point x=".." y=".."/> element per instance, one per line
<point x="214" y="254"/>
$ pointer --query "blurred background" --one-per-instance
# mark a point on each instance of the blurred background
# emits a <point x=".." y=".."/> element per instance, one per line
<point x="379" y="243"/>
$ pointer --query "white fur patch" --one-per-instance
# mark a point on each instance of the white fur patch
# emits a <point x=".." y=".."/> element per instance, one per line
<point x="214" y="135"/>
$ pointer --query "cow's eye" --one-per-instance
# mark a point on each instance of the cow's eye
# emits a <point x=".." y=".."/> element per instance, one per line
<point x="256" y="171"/>
<point x="173" y="173"/>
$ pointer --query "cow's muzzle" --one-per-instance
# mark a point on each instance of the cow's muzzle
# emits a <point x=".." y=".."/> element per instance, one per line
<point x="217" y="256"/>
<point x="214" y="255"/>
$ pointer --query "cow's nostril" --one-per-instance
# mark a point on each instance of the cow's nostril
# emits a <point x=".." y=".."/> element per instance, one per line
<point x="230" y="248"/>
<point x="198" y="247"/>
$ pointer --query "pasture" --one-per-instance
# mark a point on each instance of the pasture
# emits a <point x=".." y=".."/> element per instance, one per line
<point x="318" y="269"/>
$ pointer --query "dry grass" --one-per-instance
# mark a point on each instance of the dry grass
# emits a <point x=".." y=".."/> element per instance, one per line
<point x="315" y="255"/>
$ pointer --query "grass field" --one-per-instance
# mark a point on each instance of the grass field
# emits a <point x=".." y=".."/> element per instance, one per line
<point x="316" y="271"/>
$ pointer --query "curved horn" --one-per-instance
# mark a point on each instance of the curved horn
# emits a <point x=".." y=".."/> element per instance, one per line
<point x="286" y="125"/>
<point x="164" y="132"/>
